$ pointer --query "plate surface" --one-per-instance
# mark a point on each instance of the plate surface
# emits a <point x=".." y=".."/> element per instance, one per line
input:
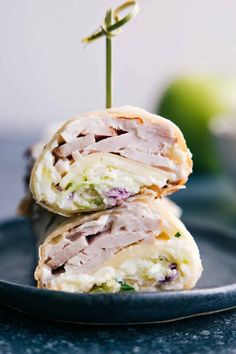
<point x="216" y="291"/>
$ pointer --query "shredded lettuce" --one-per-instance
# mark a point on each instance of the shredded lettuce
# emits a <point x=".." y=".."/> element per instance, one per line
<point x="125" y="287"/>
<point x="87" y="184"/>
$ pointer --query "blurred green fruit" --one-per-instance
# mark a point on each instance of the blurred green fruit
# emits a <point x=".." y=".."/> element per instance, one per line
<point x="191" y="102"/>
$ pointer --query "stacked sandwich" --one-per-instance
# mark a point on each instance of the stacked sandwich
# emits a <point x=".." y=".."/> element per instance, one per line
<point x="105" y="225"/>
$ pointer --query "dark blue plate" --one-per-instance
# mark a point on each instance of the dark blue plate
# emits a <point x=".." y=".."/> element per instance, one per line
<point x="216" y="290"/>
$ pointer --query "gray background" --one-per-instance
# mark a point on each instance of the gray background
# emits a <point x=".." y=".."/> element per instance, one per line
<point x="47" y="74"/>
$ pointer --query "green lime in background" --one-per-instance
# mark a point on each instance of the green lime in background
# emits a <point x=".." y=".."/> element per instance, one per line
<point x="191" y="102"/>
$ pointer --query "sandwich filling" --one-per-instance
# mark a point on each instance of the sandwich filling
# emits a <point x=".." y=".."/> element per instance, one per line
<point x="129" y="248"/>
<point x="88" y="165"/>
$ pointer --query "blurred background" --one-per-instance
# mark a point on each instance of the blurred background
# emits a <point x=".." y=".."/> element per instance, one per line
<point x="177" y="58"/>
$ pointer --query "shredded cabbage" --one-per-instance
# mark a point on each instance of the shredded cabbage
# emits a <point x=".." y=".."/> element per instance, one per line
<point x="90" y="179"/>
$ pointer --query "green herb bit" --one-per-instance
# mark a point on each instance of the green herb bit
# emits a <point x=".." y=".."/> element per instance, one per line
<point x="69" y="185"/>
<point x="125" y="287"/>
<point x="178" y="234"/>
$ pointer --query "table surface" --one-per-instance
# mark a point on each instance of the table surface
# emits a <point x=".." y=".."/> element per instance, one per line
<point x="209" y="334"/>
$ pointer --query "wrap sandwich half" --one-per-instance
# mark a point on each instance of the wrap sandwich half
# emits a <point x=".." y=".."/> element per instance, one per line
<point x="98" y="159"/>
<point x="140" y="245"/>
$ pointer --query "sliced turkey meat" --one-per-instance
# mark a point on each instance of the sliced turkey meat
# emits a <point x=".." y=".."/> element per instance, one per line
<point x="98" y="237"/>
<point x="76" y="144"/>
<point x="126" y="149"/>
<point x="141" y="244"/>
